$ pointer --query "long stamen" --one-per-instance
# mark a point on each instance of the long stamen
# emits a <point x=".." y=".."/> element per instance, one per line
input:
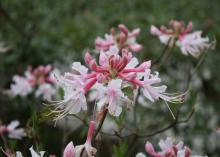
<point x="170" y="110"/>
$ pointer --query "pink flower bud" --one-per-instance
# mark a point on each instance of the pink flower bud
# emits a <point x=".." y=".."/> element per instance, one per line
<point x="90" y="132"/>
<point x="88" y="58"/>
<point x="123" y="28"/>
<point x="155" y="31"/>
<point x="69" y="150"/>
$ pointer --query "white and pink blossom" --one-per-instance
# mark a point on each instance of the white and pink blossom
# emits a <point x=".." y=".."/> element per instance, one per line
<point x="85" y="149"/>
<point x="169" y="149"/>
<point x="21" y="87"/>
<point x="123" y="39"/>
<point x="178" y="35"/>
<point x="112" y="96"/>
<point x="12" y="130"/>
<point x="38" y="80"/>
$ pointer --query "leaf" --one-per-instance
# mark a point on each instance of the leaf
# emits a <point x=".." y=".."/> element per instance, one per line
<point x="128" y="91"/>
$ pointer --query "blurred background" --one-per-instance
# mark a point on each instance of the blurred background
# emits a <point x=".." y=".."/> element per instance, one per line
<point x="59" y="32"/>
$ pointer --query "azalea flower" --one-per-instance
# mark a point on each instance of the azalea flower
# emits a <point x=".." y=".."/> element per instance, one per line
<point x="193" y="43"/>
<point x="33" y="153"/>
<point x="112" y="96"/>
<point x="12" y="130"/>
<point x="152" y="92"/>
<point x="46" y="90"/>
<point x="169" y="149"/>
<point x="21" y="87"/>
<point x="115" y="69"/>
<point x="177" y="34"/>
<point x="86" y="149"/>
<point x="123" y="39"/>
<point x="38" y="80"/>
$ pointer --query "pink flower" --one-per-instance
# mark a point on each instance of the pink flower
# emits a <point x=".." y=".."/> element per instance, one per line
<point x="169" y="149"/>
<point x="86" y="149"/>
<point x="69" y="150"/>
<point x="177" y="34"/>
<point x="123" y="39"/>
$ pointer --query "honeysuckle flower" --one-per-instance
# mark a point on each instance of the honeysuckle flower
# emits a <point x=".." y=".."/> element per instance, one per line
<point x="177" y="34"/>
<point x="21" y="87"/>
<point x="12" y="130"/>
<point x="86" y="149"/>
<point x="33" y="153"/>
<point x="112" y="96"/>
<point x="123" y="39"/>
<point x="169" y="149"/>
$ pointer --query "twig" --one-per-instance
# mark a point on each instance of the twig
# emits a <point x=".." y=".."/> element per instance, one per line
<point x="163" y="52"/>
<point x="101" y="122"/>
<point x="175" y="122"/>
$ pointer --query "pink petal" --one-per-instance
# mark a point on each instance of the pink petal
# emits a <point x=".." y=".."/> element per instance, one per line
<point x="69" y="150"/>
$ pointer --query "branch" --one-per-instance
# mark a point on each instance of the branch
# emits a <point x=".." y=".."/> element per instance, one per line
<point x="101" y="122"/>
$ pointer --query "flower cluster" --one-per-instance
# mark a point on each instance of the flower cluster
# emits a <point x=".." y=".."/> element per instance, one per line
<point x="168" y="149"/>
<point x="12" y="131"/>
<point x="115" y="70"/>
<point x="122" y="39"/>
<point x="39" y="80"/>
<point x="177" y="34"/>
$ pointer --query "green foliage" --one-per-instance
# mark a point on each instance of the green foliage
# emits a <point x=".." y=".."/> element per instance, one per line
<point x="58" y="32"/>
<point x="120" y="149"/>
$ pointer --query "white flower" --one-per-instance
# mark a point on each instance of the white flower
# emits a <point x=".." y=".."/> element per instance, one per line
<point x="46" y="90"/>
<point x="167" y="145"/>
<point x="112" y="96"/>
<point x="21" y="87"/>
<point x="140" y="155"/>
<point x="74" y="100"/>
<point x="193" y="43"/>
<point x="14" y="132"/>
<point x="33" y="153"/>
<point x="3" y="48"/>
<point x="153" y="93"/>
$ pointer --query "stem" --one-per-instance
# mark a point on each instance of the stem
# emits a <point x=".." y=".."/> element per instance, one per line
<point x="101" y="122"/>
<point x="163" y="52"/>
<point x="4" y="141"/>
